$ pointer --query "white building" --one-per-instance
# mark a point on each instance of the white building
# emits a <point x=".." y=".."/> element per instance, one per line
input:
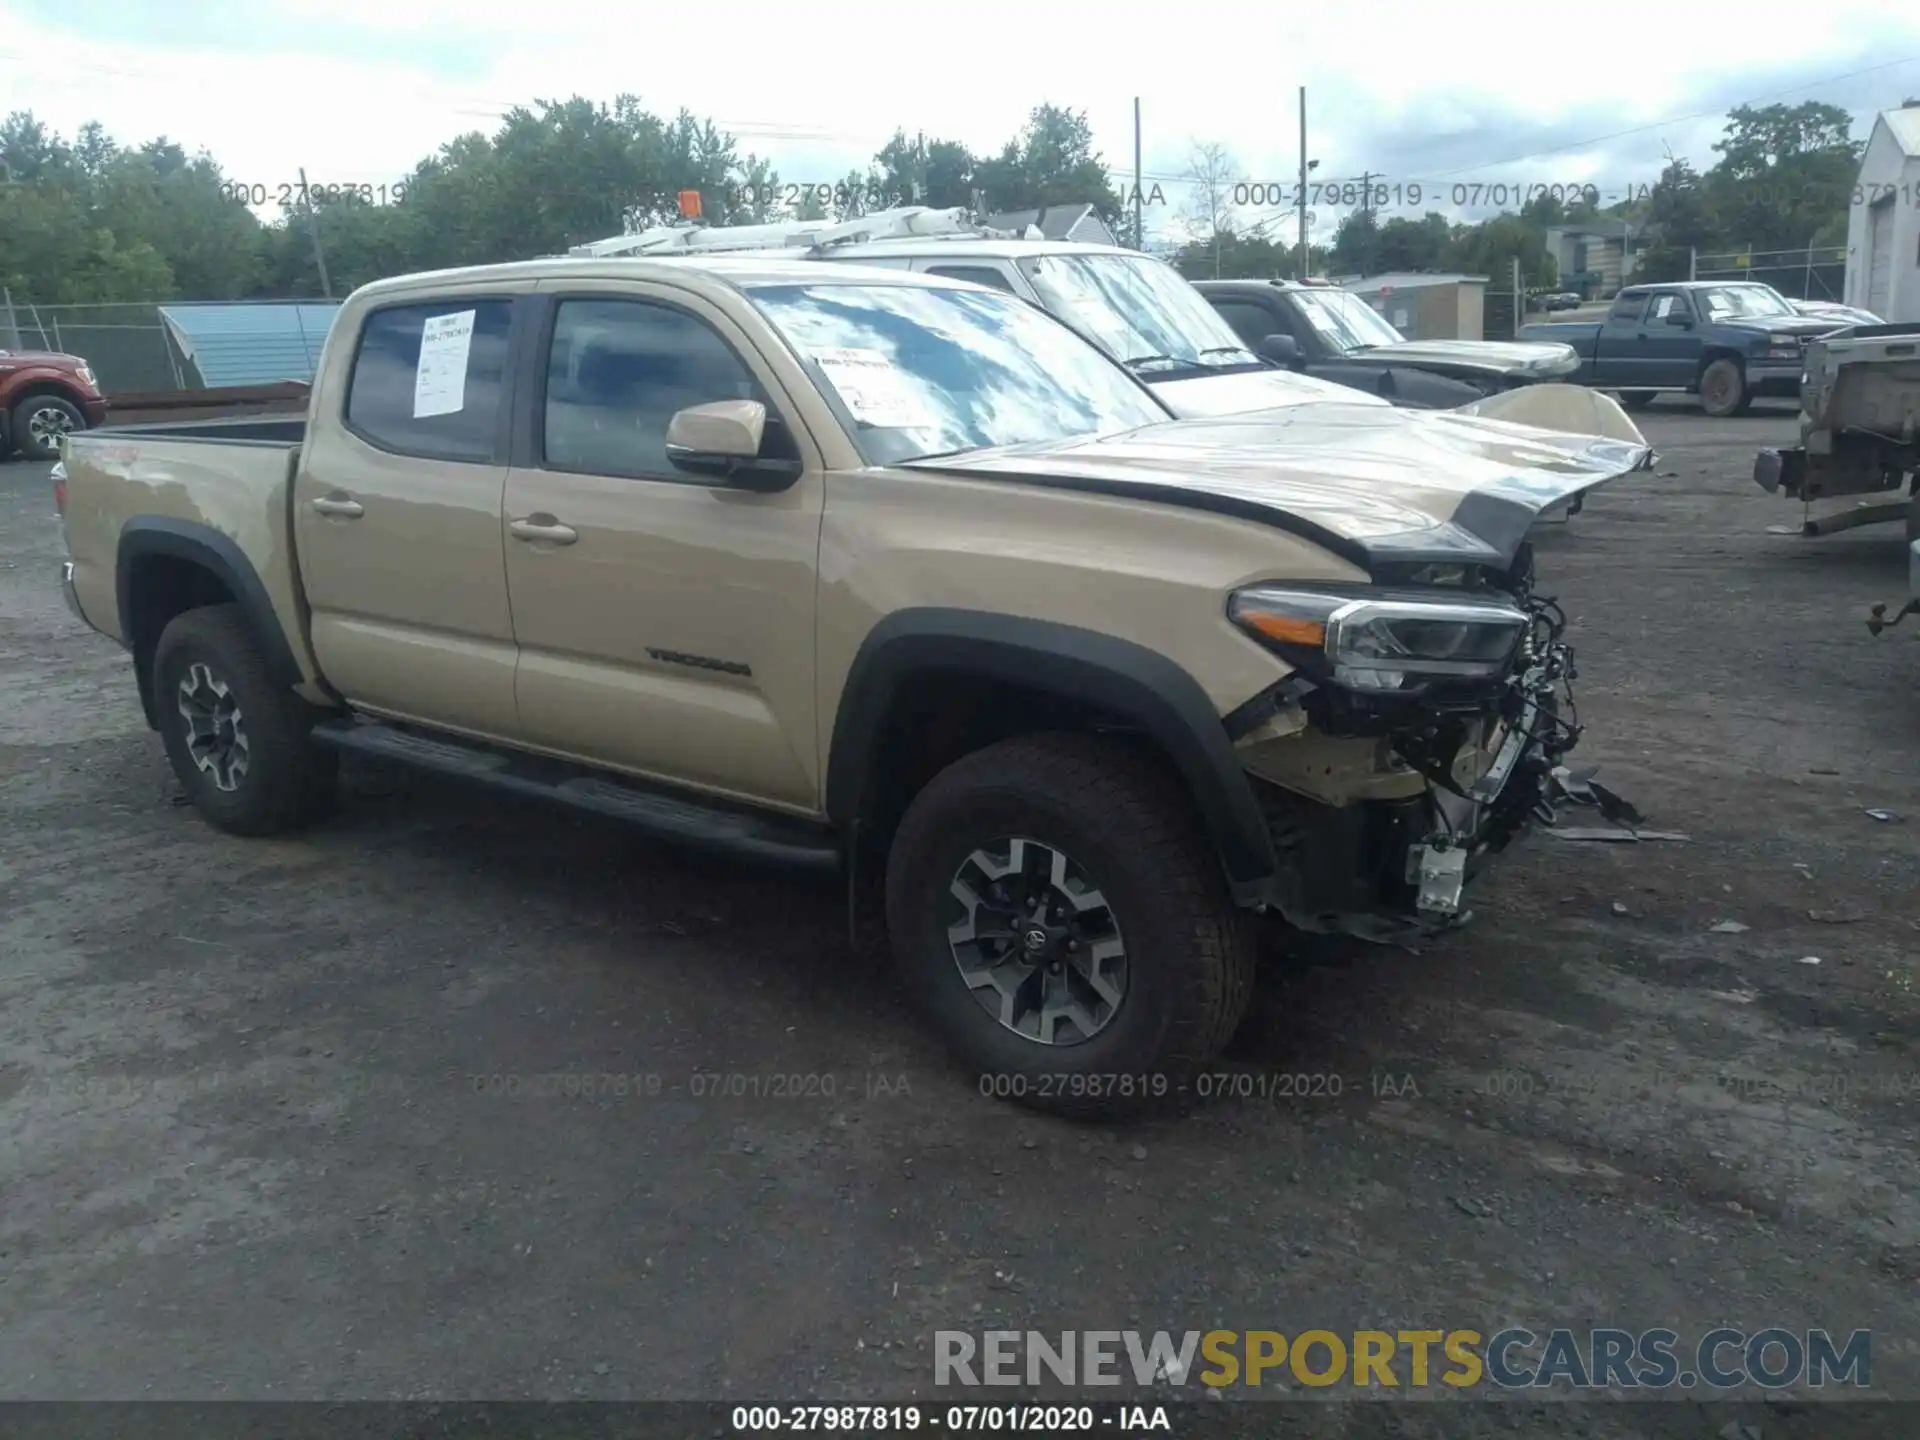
<point x="1883" y="224"/>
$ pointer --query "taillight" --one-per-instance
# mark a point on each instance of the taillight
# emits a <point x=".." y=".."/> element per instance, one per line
<point x="60" y="487"/>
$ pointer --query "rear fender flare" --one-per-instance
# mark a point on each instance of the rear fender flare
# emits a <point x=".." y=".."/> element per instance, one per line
<point x="147" y="536"/>
<point x="1138" y="686"/>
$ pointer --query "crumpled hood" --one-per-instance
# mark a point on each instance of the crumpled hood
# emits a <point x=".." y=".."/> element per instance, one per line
<point x="1493" y="357"/>
<point x="1370" y="483"/>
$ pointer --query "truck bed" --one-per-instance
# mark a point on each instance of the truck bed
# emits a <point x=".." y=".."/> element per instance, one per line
<point x="143" y="495"/>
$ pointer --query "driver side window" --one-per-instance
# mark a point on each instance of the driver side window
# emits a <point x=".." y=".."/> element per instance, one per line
<point x="617" y="372"/>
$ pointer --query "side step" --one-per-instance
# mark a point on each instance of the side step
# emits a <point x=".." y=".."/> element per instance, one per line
<point x="684" y="819"/>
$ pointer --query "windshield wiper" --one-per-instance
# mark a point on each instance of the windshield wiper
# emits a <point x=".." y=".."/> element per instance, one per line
<point x="1238" y="355"/>
<point x="1133" y="360"/>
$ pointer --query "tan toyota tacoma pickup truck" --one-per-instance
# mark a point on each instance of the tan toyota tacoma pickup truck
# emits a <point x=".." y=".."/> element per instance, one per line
<point x="878" y="572"/>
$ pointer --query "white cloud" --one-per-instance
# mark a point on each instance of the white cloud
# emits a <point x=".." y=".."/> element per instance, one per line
<point x="823" y="85"/>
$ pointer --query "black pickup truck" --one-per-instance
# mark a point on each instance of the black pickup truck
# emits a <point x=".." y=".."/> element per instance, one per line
<point x="1333" y="335"/>
<point x="1726" y="341"/>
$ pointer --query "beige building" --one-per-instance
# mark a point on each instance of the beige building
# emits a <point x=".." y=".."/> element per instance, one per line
<point x="1883" y="224"/>
<point x="1428" y="307"/>
<point x="1595" y="257"/>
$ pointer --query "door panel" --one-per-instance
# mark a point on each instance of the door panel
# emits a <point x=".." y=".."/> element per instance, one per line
<point x="1672" y="353"/>
<point x="673" y="635"/>
<point x="397" y="520"/>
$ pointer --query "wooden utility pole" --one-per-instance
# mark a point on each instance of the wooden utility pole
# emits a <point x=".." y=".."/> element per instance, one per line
<point x="1302" y="197"/>
<point x="1366" y="232"/>
<point x="1139" y="227"/>
<point x="313" y="224"/>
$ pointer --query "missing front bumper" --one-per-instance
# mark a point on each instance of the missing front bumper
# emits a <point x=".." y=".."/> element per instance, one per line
<point x="1393" y="871"/>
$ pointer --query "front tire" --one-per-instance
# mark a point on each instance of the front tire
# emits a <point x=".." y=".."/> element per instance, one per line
<point x="1723" y="389"/>
<point x="1060" y="919"/>
<point x="238" y="739"/>
<point x="39" y="423"/>
<point x="1637" y="399"/>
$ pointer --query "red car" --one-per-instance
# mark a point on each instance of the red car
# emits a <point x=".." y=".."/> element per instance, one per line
<point x="42" y="397"/>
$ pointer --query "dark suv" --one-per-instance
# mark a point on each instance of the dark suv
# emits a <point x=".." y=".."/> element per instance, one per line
<point x="1332" y="334"/>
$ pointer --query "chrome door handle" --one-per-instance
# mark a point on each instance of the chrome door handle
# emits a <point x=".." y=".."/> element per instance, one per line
<point x="341" y="505"/>
<point x="548" y="529"/>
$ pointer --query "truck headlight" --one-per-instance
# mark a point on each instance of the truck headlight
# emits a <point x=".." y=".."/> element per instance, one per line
<point x="1381" y="641"/>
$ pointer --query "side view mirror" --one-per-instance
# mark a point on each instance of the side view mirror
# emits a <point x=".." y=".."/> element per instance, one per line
<point x="722" y="438"/>
<point x="1680" y="321"/>
<point x="1281" y="349"/>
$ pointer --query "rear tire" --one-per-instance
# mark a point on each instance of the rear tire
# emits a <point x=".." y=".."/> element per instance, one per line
<point x="1637" y="399"/>
<point x="1723" y="389"/>
<point x="40" y="420"/>
<point x="1139" y="911"/>
<point x="237" y="738"/>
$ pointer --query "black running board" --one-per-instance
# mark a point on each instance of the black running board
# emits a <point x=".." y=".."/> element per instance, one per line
<point x="683" y="819"/>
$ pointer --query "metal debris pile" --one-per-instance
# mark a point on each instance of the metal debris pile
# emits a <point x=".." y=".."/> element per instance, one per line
<point x="1625" y="825"/>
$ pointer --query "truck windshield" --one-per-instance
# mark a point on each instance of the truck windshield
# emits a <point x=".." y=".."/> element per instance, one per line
<point x="1345" y="322"/>
<point x="922" y="371"/>
<point x="1140" y="310"/>
<point x="1742" y="302"/>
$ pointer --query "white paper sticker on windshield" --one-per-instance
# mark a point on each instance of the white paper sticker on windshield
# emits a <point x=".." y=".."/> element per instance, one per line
<point x="440" y="384"/>
<point x="1399" y="319"/>
<point x="874" y="389"/>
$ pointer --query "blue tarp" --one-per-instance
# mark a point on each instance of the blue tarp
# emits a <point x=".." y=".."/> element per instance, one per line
<point x="252" y="344"/>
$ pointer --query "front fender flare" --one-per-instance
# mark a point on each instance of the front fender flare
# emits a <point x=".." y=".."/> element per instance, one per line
<point x="1138" y="686"/>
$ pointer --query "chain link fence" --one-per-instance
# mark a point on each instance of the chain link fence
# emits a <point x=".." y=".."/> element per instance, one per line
<point x="132" y="349"/>
<point x="1813" y="273"/>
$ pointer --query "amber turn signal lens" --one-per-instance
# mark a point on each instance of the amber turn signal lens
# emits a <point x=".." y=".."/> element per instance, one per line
<point x="1289" y="629"/>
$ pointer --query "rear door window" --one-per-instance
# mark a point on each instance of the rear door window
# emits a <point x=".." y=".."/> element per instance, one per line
<point x="431" y="380"/>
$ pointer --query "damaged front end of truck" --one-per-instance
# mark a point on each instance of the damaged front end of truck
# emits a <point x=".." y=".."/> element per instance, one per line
<point x="1390" y="773"/>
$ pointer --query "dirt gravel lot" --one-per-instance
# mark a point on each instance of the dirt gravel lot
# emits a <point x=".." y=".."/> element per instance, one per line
<point x="257" y="1140"/>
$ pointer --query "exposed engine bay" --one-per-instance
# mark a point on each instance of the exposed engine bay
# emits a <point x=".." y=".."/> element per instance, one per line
<point x="1401" y="801"/>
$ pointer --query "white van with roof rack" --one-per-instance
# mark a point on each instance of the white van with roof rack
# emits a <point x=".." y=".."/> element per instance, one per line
<point x="1137" y="308"/>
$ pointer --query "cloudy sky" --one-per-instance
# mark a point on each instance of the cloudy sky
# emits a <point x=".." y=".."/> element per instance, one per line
<point x="1491" y="95"/>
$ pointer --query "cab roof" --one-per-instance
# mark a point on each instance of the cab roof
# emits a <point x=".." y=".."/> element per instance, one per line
<point x="738" y="271"/>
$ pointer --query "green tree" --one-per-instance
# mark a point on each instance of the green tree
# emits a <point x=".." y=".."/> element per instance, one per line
<point x="1356" y="242"/>
<point x="1785" y="174"/>
<point x="912" y="170"/>
<point x="1490" y="249"/>
<point x="1051" y="162"/>
<point x="1678" y="218"/>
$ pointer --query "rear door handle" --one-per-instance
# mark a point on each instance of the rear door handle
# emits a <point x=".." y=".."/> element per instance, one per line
<point x="340" y="504"/>
<point x="543" y="528"/>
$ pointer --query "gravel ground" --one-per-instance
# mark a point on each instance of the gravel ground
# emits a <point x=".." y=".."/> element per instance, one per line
<point x="252" y="1142"/>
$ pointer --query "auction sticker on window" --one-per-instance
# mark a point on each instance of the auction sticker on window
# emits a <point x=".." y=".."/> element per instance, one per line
<point x="440" y="384"/>
<point x="874" y="389"/>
